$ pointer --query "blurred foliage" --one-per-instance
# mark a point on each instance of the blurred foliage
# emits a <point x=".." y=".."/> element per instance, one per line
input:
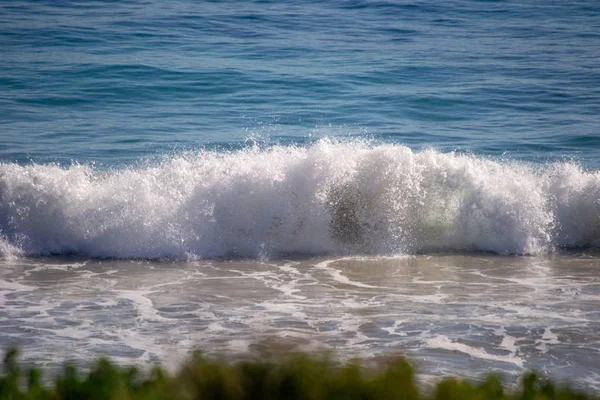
<point x="286" y="377"/>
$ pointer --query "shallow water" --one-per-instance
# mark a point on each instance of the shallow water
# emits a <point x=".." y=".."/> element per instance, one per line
<point x="451" y="314"/>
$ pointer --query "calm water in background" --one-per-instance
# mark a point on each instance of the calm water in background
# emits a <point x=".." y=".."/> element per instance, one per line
<point x="180" y="174"/>
<point x="112" y="82"/>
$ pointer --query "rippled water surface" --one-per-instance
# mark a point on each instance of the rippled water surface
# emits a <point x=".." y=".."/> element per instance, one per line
<point x="463" y="315"/>
<point x="362" y="176"/>
<point x="115" y="81"/>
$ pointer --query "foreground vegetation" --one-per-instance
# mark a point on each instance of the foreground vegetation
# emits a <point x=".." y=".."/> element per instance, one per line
<point x="290" y="377"/>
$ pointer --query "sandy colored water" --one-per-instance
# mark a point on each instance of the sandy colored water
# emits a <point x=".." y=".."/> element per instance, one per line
<point x="451" y="314"/>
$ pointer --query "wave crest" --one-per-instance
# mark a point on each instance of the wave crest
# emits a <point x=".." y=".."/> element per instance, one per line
<point x="324" y="199"/>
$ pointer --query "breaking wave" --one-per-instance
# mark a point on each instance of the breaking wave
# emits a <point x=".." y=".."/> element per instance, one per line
<point x="329" y="198"/>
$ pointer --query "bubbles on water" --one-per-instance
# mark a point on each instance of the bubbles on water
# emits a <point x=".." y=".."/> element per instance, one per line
<point x="327" y="198"/>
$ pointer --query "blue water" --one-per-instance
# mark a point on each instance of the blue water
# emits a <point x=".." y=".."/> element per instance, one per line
<point x="115" y="81"/>
<point x="147" y="106"/>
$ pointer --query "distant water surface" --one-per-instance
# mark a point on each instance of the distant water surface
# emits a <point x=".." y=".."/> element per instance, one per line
<point x="112" y="82"/>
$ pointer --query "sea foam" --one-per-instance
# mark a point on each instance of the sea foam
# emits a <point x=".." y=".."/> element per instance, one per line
<point x="328" y="198"/>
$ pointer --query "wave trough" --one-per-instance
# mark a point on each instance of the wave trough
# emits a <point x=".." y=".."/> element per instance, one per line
<point x="329" y="198"/>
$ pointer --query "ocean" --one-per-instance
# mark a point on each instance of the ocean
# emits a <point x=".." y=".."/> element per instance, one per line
<point x="361" y="177"/>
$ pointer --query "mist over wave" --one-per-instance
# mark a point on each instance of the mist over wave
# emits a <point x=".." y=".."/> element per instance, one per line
<point x="329" y="198"/>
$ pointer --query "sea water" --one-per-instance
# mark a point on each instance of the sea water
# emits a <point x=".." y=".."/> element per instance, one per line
<point x="367" y="177"/>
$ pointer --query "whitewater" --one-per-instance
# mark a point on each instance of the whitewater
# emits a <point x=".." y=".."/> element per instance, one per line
<point x="330" y="198"/>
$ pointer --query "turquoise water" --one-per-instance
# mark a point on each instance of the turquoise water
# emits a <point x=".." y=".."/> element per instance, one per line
<point x="114" y="82"/>
<point x="210" y="129"/>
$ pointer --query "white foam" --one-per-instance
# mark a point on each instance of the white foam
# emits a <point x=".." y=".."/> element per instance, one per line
<point x="7" y="250"/>
<point x="329" y="198"/>
<point x="12" y="286"/>
<point x="548" y="338"/>
<point x="444" y="342"/>
<point x="143" y="304"/>
<point x="337" y="276"/>
<point x="508" y="342"/>
<point x="393" y="330"/>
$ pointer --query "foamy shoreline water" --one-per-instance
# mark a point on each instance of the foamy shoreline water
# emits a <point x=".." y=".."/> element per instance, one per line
<point x="452" y="315"/>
